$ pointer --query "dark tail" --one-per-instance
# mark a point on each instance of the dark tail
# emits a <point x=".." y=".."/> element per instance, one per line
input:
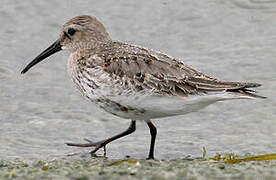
<point x="246" y="91"/>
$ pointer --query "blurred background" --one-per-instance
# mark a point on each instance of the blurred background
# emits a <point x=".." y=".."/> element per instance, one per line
<point x="231" y="40"/>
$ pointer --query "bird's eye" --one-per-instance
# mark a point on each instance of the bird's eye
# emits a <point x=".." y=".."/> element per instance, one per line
<point x="71" y="31"/>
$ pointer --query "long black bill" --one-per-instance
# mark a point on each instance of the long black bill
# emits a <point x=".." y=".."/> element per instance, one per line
<point x="55" y="47"/>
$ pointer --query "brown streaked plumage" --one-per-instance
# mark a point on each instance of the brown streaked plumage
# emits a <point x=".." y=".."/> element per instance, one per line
<point x="135" y="82"/>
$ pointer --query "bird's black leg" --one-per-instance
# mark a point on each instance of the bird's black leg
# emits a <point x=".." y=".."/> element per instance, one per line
<point x="153" y="132"/>
<point x="103" y="143"/>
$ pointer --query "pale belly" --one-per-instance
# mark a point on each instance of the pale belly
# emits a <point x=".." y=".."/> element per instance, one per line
<point x="150" y="106"/>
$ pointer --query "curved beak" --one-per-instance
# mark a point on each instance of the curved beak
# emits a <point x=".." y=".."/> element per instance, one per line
<point x="55" y="47"/>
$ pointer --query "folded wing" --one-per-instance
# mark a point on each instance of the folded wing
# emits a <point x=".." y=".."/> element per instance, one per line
<point x="155" y="71"/>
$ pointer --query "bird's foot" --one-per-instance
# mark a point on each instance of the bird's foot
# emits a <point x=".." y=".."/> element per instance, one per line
<point x="150" y="158"/>
<point x="90" y="143"/>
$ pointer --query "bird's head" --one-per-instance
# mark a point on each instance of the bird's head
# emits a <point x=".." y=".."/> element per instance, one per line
<point x="80" y="32"/>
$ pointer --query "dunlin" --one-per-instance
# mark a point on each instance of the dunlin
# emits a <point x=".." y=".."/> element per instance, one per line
<point x="135" y="82"/>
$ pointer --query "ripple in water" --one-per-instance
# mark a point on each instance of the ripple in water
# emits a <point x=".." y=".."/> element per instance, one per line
<point x="254" y="4"/>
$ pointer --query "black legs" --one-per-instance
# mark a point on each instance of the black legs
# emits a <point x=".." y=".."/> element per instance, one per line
<point x="153" y="132"/>
<point x="100" y="144"/>
<point x="130" y="129"/>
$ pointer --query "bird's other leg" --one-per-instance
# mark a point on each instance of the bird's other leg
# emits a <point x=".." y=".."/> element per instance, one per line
<point x="153" y="132"/>
<point x="103" y="143"/>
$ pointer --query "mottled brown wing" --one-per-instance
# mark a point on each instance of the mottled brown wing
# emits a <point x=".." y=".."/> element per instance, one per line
<point x="144" y="71"/>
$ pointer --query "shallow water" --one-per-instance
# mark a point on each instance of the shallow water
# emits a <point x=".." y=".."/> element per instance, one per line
<point x="231" y="40"/>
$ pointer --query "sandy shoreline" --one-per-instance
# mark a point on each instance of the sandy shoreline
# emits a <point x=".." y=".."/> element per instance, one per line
<point x="102" y="168"/>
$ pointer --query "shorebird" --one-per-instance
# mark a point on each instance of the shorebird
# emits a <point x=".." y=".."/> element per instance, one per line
<point x="134" y="82"/>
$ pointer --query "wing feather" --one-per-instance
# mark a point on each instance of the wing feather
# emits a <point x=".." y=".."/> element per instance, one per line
<point x="147" y="69"/>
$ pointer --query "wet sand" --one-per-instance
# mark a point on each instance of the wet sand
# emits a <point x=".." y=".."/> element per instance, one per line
<point x="100" y="168"/>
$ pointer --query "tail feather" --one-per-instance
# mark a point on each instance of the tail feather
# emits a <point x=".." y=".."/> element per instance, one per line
<point x="236" y="88"/>
<point x="251" y="85"/>
<point x="247" y="92"/>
